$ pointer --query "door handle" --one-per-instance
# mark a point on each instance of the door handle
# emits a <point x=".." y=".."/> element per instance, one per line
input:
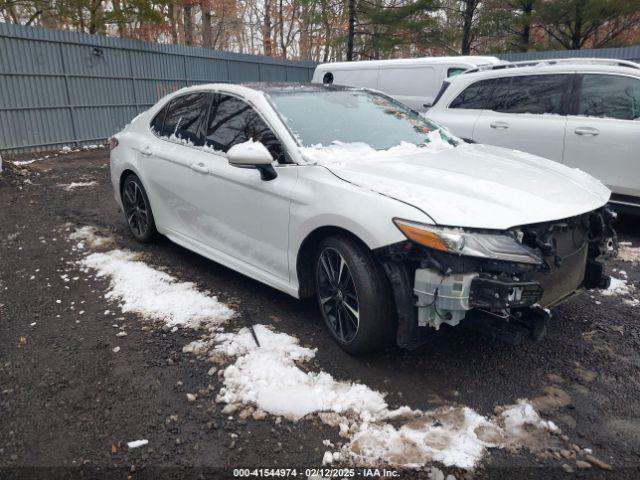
<point x="146" y="151"/>
<point x="587" y="131"/>
<point x="499" y="125"/>
<point x="199" y="167"/>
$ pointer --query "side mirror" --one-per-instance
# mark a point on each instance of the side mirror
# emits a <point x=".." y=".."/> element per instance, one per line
<point x="428" y="104"/>
<point x="252" y="155"/>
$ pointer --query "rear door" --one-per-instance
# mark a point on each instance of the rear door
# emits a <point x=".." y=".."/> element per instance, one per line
<point x="166" y="156"/>
<point x="528" y="113"/>
<point x="603" y="134"/>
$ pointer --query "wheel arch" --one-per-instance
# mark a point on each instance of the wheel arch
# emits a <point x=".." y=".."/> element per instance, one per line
<point x="123" y="176"/>
<point x="306" y="255"/>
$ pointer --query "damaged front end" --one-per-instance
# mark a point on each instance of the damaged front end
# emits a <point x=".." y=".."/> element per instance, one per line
<point x="500" y="283"/>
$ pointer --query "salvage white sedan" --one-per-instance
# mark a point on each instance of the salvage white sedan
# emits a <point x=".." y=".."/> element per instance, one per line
<point x="392" y="223"/>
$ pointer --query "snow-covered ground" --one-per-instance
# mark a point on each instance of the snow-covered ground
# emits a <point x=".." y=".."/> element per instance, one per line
<point x="153" y="294"/>
<point x="275" y="378"/>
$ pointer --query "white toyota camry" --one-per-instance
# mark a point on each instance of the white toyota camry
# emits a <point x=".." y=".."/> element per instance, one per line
<point x="395" y="225"/>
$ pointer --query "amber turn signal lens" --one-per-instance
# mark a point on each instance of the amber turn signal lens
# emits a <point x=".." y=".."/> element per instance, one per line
<point x="423" y="237"/>
<point x="113" y="143"/>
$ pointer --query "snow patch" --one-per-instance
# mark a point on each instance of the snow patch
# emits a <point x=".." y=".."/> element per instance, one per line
<point x="628" y="253"/>
<point x="340" y="152"/>
<point x="154" y="294"/>
<point x="88" y="235"/>
<point x="137" y="443"/>
<point x="74" y="185"/>
<point x="271" y="378"/>
<point x="618" y="287"/>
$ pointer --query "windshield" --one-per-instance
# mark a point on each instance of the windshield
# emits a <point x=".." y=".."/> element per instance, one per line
<point x="324" y="117"/>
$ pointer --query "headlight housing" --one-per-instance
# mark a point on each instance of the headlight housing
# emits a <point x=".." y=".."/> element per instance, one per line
<point x="495" y="246"/>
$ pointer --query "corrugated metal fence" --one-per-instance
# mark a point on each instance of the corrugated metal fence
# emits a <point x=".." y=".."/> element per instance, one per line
<point x="67" y="88"/>
<point x="621" y="53"/>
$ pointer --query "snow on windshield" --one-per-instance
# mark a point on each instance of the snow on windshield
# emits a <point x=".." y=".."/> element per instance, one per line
<point x="338" y="152"/>
<point x="354" y="117"/>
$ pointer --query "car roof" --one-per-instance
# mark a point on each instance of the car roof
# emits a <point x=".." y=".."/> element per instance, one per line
<point x="598" y="65"/>
<point x="471" y="60"/>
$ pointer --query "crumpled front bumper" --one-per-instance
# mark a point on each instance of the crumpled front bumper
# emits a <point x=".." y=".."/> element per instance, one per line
<point x="441" y="288"/>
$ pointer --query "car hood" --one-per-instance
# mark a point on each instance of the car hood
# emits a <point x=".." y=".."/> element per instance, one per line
<point x="478" y="186"/>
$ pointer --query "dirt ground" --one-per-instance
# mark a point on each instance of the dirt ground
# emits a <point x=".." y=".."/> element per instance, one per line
<point x="68" y="404"/>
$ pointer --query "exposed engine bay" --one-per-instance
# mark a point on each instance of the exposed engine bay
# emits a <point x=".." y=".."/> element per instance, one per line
<point x="507" y="300"/>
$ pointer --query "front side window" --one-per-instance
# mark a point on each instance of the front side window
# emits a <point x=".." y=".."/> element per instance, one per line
<point x="233" y="121"/>
<point x="610" y="96"/>
<point x="474" y="96"/>
<point x="183" y="120"/>
<point x="537" y="94"/>
<point x="326" y="116"/>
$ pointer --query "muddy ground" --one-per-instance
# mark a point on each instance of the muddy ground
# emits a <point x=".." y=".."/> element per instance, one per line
<point x="69" y="404"/>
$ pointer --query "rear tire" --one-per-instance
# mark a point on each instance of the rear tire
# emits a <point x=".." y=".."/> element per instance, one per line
<point x="137" y="210"/>
<point x="354" y="296"/>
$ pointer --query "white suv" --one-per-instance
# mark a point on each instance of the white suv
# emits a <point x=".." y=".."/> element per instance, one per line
<point x="584" y="113"/>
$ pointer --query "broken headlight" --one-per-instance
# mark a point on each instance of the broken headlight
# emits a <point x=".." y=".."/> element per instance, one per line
<point x="496" y="246"/>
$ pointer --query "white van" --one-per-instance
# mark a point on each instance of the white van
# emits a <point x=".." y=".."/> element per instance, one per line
<point x="413" y="81"/>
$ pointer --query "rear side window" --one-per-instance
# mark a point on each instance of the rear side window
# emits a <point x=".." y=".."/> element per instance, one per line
<point x="537" y="94"/>
<point x="158" y="121"/>
<point x="232" y="121"/>
<point x="610" y="96"/>
<point x="184" y="118"/>
<point x="474" y="96"/>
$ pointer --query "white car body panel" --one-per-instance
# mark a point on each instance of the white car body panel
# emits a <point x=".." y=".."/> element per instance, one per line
<point x="479" y="186"/>
<point x="611" y="155"/>
<point x="257" y="227"/>
<point x="541" y="135"/>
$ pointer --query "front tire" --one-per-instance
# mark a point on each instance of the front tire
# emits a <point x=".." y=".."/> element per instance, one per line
<point x="354" y="296"/>
<point x="137" y="210"/>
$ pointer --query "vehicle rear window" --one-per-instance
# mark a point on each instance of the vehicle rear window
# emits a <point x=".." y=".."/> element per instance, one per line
<point x="453" y="71"/>
<point x="474" y="96"/>
<point x="610" y="96"/>
<point x="184" y="118"/>
<point x="537" y="94"/>
<point x="232" y="121"/>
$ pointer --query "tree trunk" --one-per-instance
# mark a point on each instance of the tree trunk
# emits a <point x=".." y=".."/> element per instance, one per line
<point x="525" y="34"/>
<point x="467" y="24"/>
<point x="351" y="29"/>
<point x="171" y="13"/>
<point x="206" y="25"/>
<point x="305" y="37"/>
<point x="283" y="45"/>
<point x="120" y="23"/>
<point x="266" y="29"/>
<point x="576" y="36"/>
<point x="188" y="25"/>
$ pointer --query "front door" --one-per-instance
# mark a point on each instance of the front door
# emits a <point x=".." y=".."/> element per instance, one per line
<point x="236" y="212"/>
